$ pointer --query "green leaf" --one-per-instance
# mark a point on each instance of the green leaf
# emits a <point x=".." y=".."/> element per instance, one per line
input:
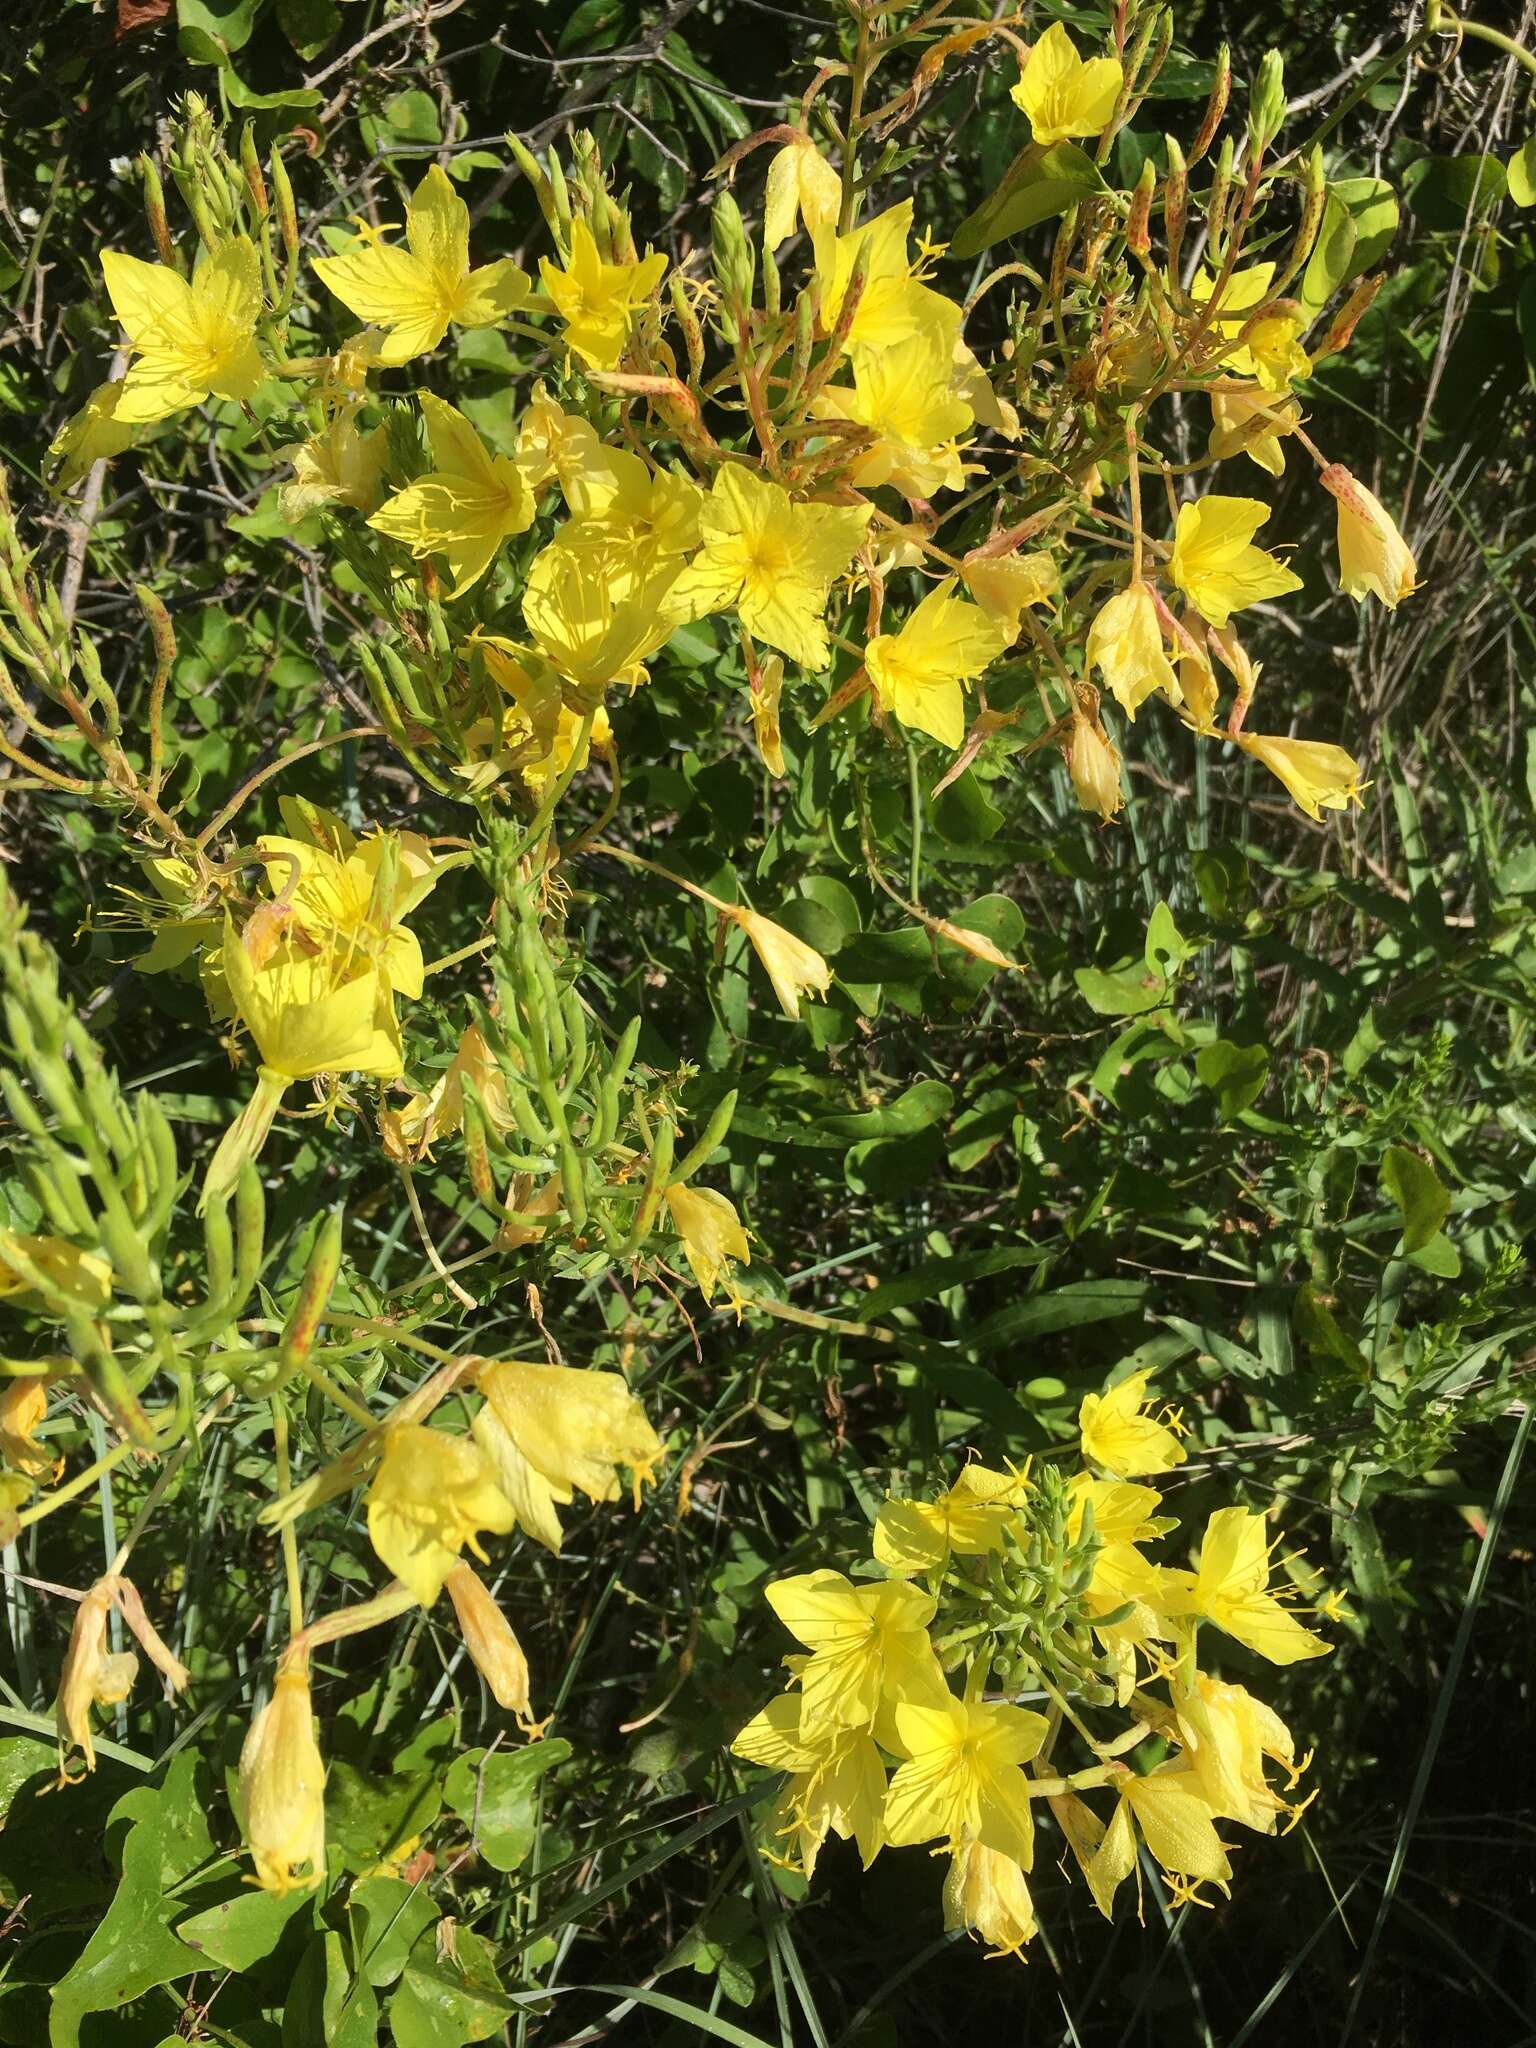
<point x="308" y="24"/>
<point x="1444" y="191"/>
<point x="824" y="914"/>
<point x="367" y="1814"/>
<point x="1126" y="991"/>
<point x="1064" y="1308"/>
<point x="1415" y="1187"/>
<point x="936" y="1276"/>
<point x="1235" y="1074"/>
<point x="924" y="1103"/>
<point x="1166" y="947"/>
<point x="495" y="1793"/>
<point x="327" y="2002"/>
<point x="1038" y="185"/>
<point x="388" y="1917"/>
<point x="1521" y="172"/>
<point x="238" y="93"/>
<point x="447" y="2000"/>
<point x="1360" y="218"/>
<point x="241" y="1930"/>
<point x="208" y="30"/>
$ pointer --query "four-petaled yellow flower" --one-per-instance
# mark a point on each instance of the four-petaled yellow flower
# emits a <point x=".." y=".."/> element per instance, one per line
<point x="711" y="1232"/>
<point x="963" y="1780"/>
<point x="868" y="1644"/>
<point x="1176" y="1823"/>
<point x="597" y="300"/>
<point x="464" y="508"/>
<point x="432" y="1495"/>
<point x="1065" y="94"/>
<point x="1227" y="1734"/>
<point x="800" y="183"/>
<point x="918" y="672"/>
<point x="1118" y="1436"/>
<point x="549" y="1429"/>
<point x="986" y="1894"/>
<point x="190" y="341"/>
<point x="311" y="1012"/>
<point x="773" y="559"/>
<point x="1230" y="1586"/>
<point x="1126" y="642"/>
<point x="1215" y="563"/>
<point x="971" y="1519"/>
<point x="907" y="399"/>
<point x="836" y="1782"/>
<point x="418" y="292"/>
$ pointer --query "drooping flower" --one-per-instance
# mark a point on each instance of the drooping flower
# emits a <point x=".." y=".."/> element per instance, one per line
<point x="1004" y="585"/>
<point x="551" y="1429"/>
<point x="494" y="1649"/>
<point x="338" y="466"/>
<point x="190" y="341"/>
<point x="1374" y="559"/>
<point x="793" y="966"/>
<point x="1064" y="94"/>
<point x="1093" y="764"/>
<point x="1168" y="1806"/>
<point x="91" y="1674"/>
<point x="1227" y="1734"/>
<point x="1320" y="776"/>
<point x="1126" y="642"/>
<point x="918" y="672"/>
<point x="1121" y="1437"/>
<point x="801" y="183"/>
<point x="1233" y="414"/>
<point x="430" y="1497"/>
<point x="711" y="1232"/>
<point x="23" y="1406"/>
<point x="417" y="292"/>
<point x="1215" y="562"/>
<point x="774" y="559"/>
<point x="986" y="1894"/>
<point x="282" y="1788"/>
<point x="868" y="1644"/>
<point x="1230" y="1587"/>
<point x="836" y="1782"/>
<point x="464" y="508"/>
<point x="597" y="300"/>
<point x="963" y="1780"/>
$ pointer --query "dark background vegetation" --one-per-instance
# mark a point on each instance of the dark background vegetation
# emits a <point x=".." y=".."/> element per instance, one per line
<point x="1377" y="976"/>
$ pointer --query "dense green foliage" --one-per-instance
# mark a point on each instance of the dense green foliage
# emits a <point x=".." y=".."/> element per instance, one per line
<point x="1258" y="1115"/>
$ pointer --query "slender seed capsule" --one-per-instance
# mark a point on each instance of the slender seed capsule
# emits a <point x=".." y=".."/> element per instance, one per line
<point x="1215" y="106"/>
<point x="154" y="211"/>
<point x="1138" y="236"/>
<point x="1175" y="206"/>
<point x="314" y="1295"/>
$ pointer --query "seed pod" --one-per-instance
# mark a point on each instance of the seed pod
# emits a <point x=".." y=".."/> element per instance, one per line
<point x="154" y="211"/>
<point x="250" y="166"/>
<point x="714" y="1136"/>
<point x="1215" y="106"/>
<point x="1349" y="316"/>
<point x="314" y="1295"/>
<point x="1138" y="237"/>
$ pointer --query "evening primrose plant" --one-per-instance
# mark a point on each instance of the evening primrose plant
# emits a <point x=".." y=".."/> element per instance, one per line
<point x="953" y="500"/>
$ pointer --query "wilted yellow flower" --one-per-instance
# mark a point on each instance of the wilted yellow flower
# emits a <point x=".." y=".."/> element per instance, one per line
<point x="91" y="1674"/>
<point x="1003" y="585"/>
<point x="711" y="1231"/>
<point x="918" y="672"/>
<point x="1230" y="1586"/>
<point x="773" y="559"/>
<point x="1232" y="415"/>
<point x="23" y="1405"/>
<point x="1227" y="1734"/>
<point x="338" y="466"/>
<point x="92" y="434"/>
<point x="1065" y="94"/>
<point x="800" y="182"/>
<point x="971" y="1519"/>
<point x="431" y="1495"/>
<point x="597" y="300"/>
<point x="463" y="509"/>
<point x="282" y="1788"/>
<point x="1120" y="1437"/>
<point x="1215" y="562"/>
<point x="985" y="1893"/>
<point x="497" y="1654"/>
<point x="963" y="1780"/>
<point x="551" y="1429"/>
<point x="84" y="1277"/>
<point x="1374" y="559"/>
<point x="1321" y="777"/>
<point x="767" y="688"/>
<point x="869" y="1645"/>
<point x="417" y="292"/>
<point x="1093" y="763"/>
<point x="836" y="1783"/>
<point x="792" y="965"/>
<point x="189" y="340"/>
<point x="1177" y="1825"/>
<point x="1126" y="642"/>
<point x="425" y="1118"/>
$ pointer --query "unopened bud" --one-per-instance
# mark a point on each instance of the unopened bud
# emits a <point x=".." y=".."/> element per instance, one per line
<point x="282" y="1788"/>
<point x="534" y="172"/>
<point x="1266" y="105"/>
<point x="287" y="214"/>
<point x="1175" y="204"/>
<point x="732" y="256"/>
<point x="1349" y="316"/>
<point x="250" y="167"/>
<point x="1138" y="237"/>
<point x="1221" y="193"/>
<point x="1094" y="766"/>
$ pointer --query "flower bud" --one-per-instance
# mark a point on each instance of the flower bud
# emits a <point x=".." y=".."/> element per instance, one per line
<point x="1175" y="204"/>
<point x="1094" y="766"/>
<point x="154" y="211"/>
<point x="250" y="168"/>
<point x="282" y="1788"/>
<point x="1267" y="105"/>
<point x="488" y="1637"/>
<point x="1138" y="238"/>
<point x="1350" y="314"/>
<point x="732" y="257"/>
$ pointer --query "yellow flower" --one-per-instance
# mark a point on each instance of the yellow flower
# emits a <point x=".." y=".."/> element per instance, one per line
<point x="1320" y="777"/>
<point x="963" y="1780"/>
<point x="1374" y="559"/>
<point x="1232" y="417"/>
<point x="773" y="559"/>
<point x="985" y="1893"/>
<point x="906" y="398"/>
<point x="427" y="1117"/>
<point x="1093" y="764"/>
<point x="549" y="1429"/>
<point x="868" y="1644"/>
<point x="800" y="182"/>
<point x="431" y="1495"/>
<point x="1175" y="1822"/>
<point x="1122" y="1439"/>
<point x="495" y="1650"/>
<point x="338" y="466"/>
<point x="767" y="689"/>
<point x="597" y="300"/>
<point x="1227" y="1734"/>
<point x="464" y="508"/>
<point x="1126" y="642"/>
<point x="1215" y="562"/>
<point x="282" y="1789"/>
<point x="918" y="672"/>
<point x="91" y="1674"/>
<point x="792" y="965"/>
<point x="1003" y="585"/>
<point x="711" y="1231"/>
<point x="313" y="1013"/>
<point x="1230" y="1586"/>
<point x="189" y="340"/>
<point x="836" y="1782"/>
<point x="972" y="1518"/>
<point x="1271" y="351"/>
<point x="596" y="619"/>
<point x="23" y="1405"/>
<point x="1121" y="1513"/>
<point x="417" y="292"/>
<point x="1126" y="1599"/>
<point x="895" y="309"/>
<point x="33" y="1270"/>
<point x="1064" y="94"/>
<point x="91" y="435"/>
